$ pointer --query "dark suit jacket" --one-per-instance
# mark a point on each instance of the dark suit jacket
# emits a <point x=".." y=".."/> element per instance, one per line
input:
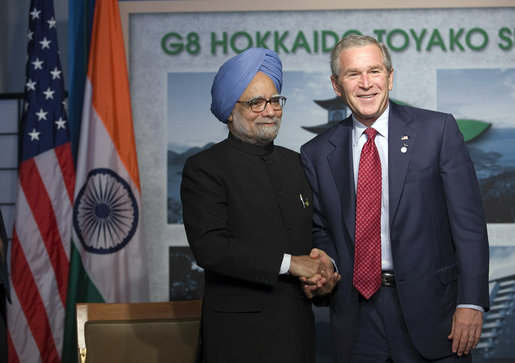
<point x="242" y="211"/>
<point x="437" y="226"/>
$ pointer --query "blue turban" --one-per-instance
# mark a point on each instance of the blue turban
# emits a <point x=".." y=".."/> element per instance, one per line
<point x="235" y="75"/>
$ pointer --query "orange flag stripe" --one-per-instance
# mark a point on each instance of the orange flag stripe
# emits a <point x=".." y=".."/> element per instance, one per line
<point x="107" y="72"/>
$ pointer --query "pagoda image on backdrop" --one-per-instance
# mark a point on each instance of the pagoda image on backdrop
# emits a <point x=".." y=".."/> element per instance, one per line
<point x="337" y="111"/>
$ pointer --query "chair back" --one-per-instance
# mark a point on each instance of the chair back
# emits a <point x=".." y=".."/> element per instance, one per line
<point x="138" y="332"/>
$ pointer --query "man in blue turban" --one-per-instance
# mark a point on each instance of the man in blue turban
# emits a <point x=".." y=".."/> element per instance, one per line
<point x="235" y="75"/>
<point x="247" y="214"/>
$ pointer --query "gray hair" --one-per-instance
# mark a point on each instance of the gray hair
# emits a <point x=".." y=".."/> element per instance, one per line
<point x="356" y="41"/>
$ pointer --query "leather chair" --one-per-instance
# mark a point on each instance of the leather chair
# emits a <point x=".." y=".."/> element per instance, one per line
<point x="138" y="332"/>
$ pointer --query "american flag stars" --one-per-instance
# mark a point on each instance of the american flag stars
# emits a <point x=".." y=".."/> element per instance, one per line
<point x="61" y="124"/>
<point x="34" y="135"/>
<point x="31" y="85"/>
<point x="45" y="119"/>
<point x="51" y="23"/>
<point x="45" y="43"/>
<point x="49" y="93"/>
<point x="56" y="73"/>
<point x="35" y="14"/>
<point x="41" y="115"/>
<point x="38" y="64"/>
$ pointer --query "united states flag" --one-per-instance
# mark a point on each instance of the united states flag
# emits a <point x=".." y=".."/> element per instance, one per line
<point x="39" y="253"/>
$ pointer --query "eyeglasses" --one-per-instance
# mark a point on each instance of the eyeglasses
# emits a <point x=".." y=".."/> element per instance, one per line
<point x="258" y="104"/>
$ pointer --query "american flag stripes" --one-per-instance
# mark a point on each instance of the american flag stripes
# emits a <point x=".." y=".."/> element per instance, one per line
<point x="39" y="257"/>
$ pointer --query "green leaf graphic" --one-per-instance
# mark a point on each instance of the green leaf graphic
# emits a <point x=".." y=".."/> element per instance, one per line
<point x="472" y="129"/>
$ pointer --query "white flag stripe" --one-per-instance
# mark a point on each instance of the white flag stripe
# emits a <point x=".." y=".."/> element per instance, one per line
<point x="127" y="276"/>
<point x="35" y="252"/>
<point x="53" y="180"/>
<point x="21" y="337"/>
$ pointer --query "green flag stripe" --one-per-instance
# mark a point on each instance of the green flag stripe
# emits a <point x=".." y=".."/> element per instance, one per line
<point x="80" y="289"/>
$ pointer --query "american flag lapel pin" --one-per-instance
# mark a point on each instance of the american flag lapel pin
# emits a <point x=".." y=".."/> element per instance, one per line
<point x="404" y="147"/>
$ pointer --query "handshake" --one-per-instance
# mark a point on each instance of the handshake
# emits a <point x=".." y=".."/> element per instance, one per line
<point x="316" y="272"/>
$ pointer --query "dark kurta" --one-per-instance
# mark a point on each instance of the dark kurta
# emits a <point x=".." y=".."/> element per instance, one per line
<point x="242" y="211"/>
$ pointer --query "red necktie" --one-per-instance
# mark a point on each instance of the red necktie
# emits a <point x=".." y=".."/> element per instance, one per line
<point x="367" y="249"/>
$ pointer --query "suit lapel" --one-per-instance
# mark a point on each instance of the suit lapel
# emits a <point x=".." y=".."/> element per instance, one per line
<point x="401" y="140"/>
<point x="340" y="162"/>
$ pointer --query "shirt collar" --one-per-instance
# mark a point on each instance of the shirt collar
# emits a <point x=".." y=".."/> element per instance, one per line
<point x="381" y="126"/>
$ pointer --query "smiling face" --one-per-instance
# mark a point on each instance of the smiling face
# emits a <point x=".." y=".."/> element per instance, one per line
<point x="256" y="127"/>
<point x="363" y="82"/>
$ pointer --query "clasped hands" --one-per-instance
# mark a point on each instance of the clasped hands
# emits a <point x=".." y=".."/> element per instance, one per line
<point x="316" y="272"/>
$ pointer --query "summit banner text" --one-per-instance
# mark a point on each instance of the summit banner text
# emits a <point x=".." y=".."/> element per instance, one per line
<point x="475" y="39"/>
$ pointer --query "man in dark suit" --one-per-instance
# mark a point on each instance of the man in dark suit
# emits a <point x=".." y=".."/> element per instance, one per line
<point x="422" y="298"/>
<point x="247" y="214"/>
<point x="4" y="290"/>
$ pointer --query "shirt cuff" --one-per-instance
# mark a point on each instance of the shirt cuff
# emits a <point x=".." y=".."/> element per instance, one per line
<point x="471" y="306"/>
<point x="285" y="265"/>
<point x="334" y="266"/>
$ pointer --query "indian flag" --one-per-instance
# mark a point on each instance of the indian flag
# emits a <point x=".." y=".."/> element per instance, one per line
<point x="108" y="259"/>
